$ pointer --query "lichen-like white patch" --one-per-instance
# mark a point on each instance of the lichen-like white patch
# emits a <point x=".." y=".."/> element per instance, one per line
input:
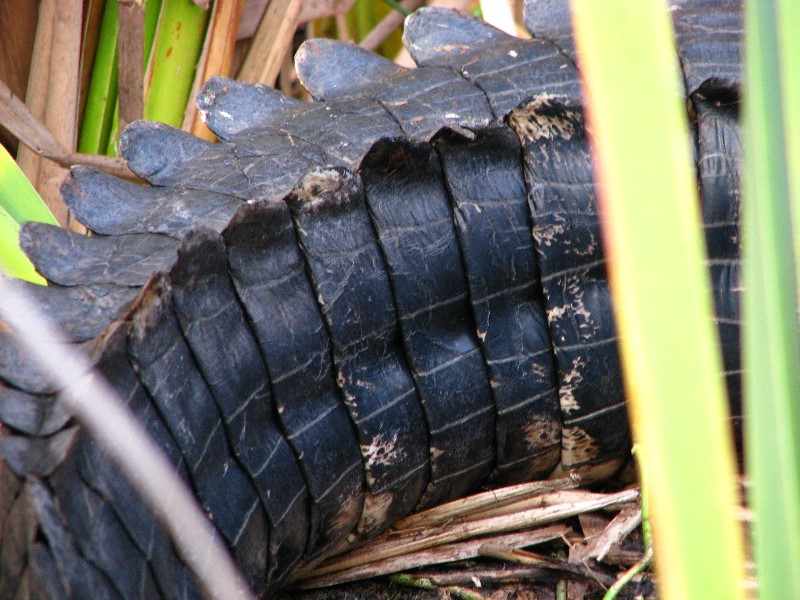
<point x="544" y="117"/>
<point x="587" y="250"/>
<point x="374" y="516"/>
<point x="350" y="401"/>
<point x="569" y="383"/>
<point x="546" y="235"/>
<point x="451" y="116"/>
<point x="225" y="115"/>
<point x="575" y="311"/>
<point x="556" y="312"/>
<point x="382" y="451"/>
<point x="513" y="53"/>
<point x="541" y="372"/>
<point x="348" y="514"/>
<point x="185" y="431"/>
<point x="541" y="433"/>
<point x="578" y="446"/>
<point x="322" y="187"/>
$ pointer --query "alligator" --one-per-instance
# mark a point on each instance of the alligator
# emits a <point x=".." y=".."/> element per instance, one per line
<point x="346" y="309"/>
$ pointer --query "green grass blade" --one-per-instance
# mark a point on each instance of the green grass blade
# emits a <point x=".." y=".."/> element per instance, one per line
<point x="19" y="202"/>
<point x="363" y="17"/>
<point x="771" y="350"/>
<point x="113" y="135"/>
<point x="662" y="294"/>
<point x="152" y="9"/>
<point x="17" y="196"/>
<point x="13" y="261"/>
<point x="789" y="47"/>
<point x="178" y="43"/>
<point x="102" y="97"/>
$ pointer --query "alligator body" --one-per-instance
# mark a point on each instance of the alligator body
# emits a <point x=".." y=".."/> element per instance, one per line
<point x="347" y="309"/>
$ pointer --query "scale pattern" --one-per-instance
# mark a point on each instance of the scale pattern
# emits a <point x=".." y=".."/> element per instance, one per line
<point x="347" y="309"/>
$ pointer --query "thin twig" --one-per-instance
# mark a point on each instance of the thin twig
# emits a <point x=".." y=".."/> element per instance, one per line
<point x="523" y="557"/>
<point x="19" y="120"/>
<point x="447" y="513"/>
<point x="628" y="576"/>
<point x="107" y="164"/>
<point x="620" y="526"/>
<point x="425" y="584"/>
<point x="443" y="554"/>
<point x="395" y="543"/>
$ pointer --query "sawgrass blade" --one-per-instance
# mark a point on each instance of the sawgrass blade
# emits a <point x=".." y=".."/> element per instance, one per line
<point x="177" y="46"/>
<point x="17" y="196"/>
<point x="662" y="295"/>
<point x="102" y="97"/>
<point x="13" y="262"/>
<point x="789" y="48"/>
<point x="113" y="134"/>
<point x="19" y="202"/>
<point x="771" y="349"/>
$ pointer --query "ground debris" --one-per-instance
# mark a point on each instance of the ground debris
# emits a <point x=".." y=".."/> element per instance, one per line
<point x="527" y="542"/>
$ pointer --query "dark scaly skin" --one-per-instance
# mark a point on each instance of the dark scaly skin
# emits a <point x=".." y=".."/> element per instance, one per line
<point x="506" y="296"/>
<point x="354" y="293"/>
<point x="213" y="321"/>
<point x="269" y="275"/>
<point x="439" y="244"/>
<point x="424" y="264"/>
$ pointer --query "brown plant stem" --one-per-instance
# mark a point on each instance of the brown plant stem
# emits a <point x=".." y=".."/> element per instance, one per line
<point x="36" y="95"/>
<point x="271" y="42"/>
<point x="216" y="59"/>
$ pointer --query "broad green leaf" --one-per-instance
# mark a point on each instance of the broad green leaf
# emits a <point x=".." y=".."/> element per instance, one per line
<point x="662" y="295"/>
<point x="771" y="349"/>
<point x="789" y="48"/>
<point x="152" y="10"/>
<point x="13" y="261"/>
<point x="17" y="196"/>
<point x="19" y="202"/>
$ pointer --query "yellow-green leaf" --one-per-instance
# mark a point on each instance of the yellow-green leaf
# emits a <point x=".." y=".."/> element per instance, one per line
<point x="662" y="296"/>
